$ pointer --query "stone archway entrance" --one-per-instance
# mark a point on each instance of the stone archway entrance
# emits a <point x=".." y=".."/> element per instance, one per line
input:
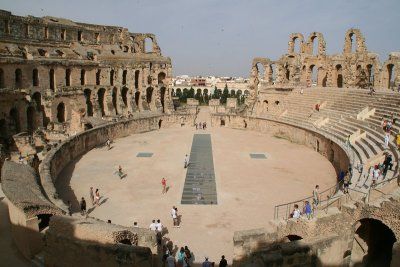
<point x="372" y="244"/>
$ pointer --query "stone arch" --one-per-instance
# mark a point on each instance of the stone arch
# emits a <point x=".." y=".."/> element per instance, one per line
<point x="89" y="105"/>
<point x="161" y="77"/>
<point x="52" y="79"/>
<point x="339" y="76"/>
<point x="148" y="45"/>
<point x="124" y="76"/>
<point x="18" y="78"/>
<point x="100" y="98"/>
<point x="2" y="84"/>
<point x="124" y="95"/>
<point x="295" y="38"/>
<point x="61" y="112"/>
<point x="68" y="77"/>
<point x="373" y="243"/>
<point x="370" y="74"/>
<point x="114" y="96"/>
<point x="351" y="45"/>
<point x="98" y="77"/>
<point x="35" y="77"/>
<point x="14" y="123"/>
<point x="321" y="48"/>
<point x="31" y="119"/>
<point x="112" y="73"/>
<point x="137" y="73"/>
<point x="162" y="97"/>
<point x="83" y="76"/>
<point x="313" y="75"/>
<point x="126" y="237"/>
<point x="390" y="75"/>
<point x="149" y="94"/>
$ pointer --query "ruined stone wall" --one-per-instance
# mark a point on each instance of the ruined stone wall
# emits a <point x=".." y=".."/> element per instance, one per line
<point x="309" y="65"/>
<point x="56" y="71"/>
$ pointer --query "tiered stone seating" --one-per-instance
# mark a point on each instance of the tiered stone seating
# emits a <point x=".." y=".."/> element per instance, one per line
<point x="341" y="107"/>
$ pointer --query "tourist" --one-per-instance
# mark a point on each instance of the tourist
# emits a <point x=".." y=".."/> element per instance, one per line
<point x="159" y="229"/>
<point x="223" y="262"/>
<point x="195" y="125"/>
<point x="186" y="161"/>
<point x="301" y="91"/>
<point x="83" y="206"/>
<point x="120" y="173"/>
<point x="296" y="212"/>
<point x="387" y="163"/>
<point x="97" y="197"/>
<point x="159" y="226"/>
<point x="387" y="137"/>
<point x="108" y="143"/>
<point x="206" y="263"/>
<point x="69" y="208"/>
<point x="170" y="261"/>
<point x="181" y="257"/>
<point x="153" y="226"/>
<point x="20" y="158"/>
<point x="348" y="143"/>
<point x="91" y="195"/>
<point x="188" y="256"/>
<point x="174" y="216"/>
<point x="375" y="174"/>
<point x="164" y="185"/>
<point x="316" y="198"/>
<point x="308" y="209"/>
<point x="135" y="225"/>
<point x="204" y="125"/>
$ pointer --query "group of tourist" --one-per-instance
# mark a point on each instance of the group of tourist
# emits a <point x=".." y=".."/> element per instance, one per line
<point x="201" y="125"/>
<point x="308" y="209"/>
<point x="381" y="169"/>
<point x="185" y="258"/>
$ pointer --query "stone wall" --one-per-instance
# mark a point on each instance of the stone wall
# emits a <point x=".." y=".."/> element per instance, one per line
<point x="323" y="145"/>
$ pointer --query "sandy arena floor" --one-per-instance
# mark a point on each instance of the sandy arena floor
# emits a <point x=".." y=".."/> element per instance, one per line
<point x="248" y="189"/>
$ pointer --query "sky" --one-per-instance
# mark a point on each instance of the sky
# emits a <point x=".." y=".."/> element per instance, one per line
<point x="221" y="37"/>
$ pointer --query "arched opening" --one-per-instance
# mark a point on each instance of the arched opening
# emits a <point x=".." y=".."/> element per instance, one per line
<point x="370" y="74"/>
<point x="149" y="94"/>
<point x="137" y="97"/>
<point x="14" y="125"/>
<point x="315" y="45"/>
<point x="390" y="71"/>
<point x="61" y="112"/>
<point x="324" y="76"/>
<point x="161" y="77"/>
<point x="100" y="98"/>
<point x="232" y="93"/>
<point x="260" y="73"/>
<point x="373" y="243"/>
<point x="125" y="241"/>
<point x="137" y="79"/>
<point x="35" y="77"/>
<point x="272" y="73"/>
<point x="296" y="45"/>
<point x="114" y="100"/>
<point x="291" y="238"/>
<point x="222" y="122"/>
<point x="124" y="75"/>
<point x="162" y="96"/>
<point x="18" y="78"/>
<point x="98" y="76"/>
<point x="52" y="79"/>
<point x="172" y="92"/>
<point x="149" y="80"/>
<point x="353" y="44"/>
<point x="89" y="105"/>
<point x="83" y="77"/>
<point x="277" y="102"/>
<point x="287" y="73"/>
<point x="87" y="126"/>
<point x="246" y="92"/>
<point x="30" y="117"/>
<point x="124" y="95"/>
<point x="339" y="78"/>
<point x="159" y="124"/>
<point x="314" y="75"/>
<point x="37" y="97"/>
<point x="3" y="130"/>
<point x="68" y="77"/>
<point x="148" y="45"/>
<point x="2" y="78"/>
<point x="317" y="145"/>
<point x="112" y="72"/>
<point x="44" y="220"/>
<point x="178" y="93"/>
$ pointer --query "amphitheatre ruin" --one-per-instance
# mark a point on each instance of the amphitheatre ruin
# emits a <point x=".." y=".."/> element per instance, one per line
<point x="66" y="88"/>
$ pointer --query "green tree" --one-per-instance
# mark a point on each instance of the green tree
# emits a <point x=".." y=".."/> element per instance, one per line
<point x="224" y="96"/>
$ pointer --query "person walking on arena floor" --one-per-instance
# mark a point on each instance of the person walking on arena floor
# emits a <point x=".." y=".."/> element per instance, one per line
<point x="152" y="226"/>
<point x="91" y="195"/>
<point x="186" y="163"/>
<point x="164" y="185"/>
<point x="181" y="257"/>
<point x="97" y="197"/>
<point x="223" y="262"/>
<point x="108" y="143"/>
